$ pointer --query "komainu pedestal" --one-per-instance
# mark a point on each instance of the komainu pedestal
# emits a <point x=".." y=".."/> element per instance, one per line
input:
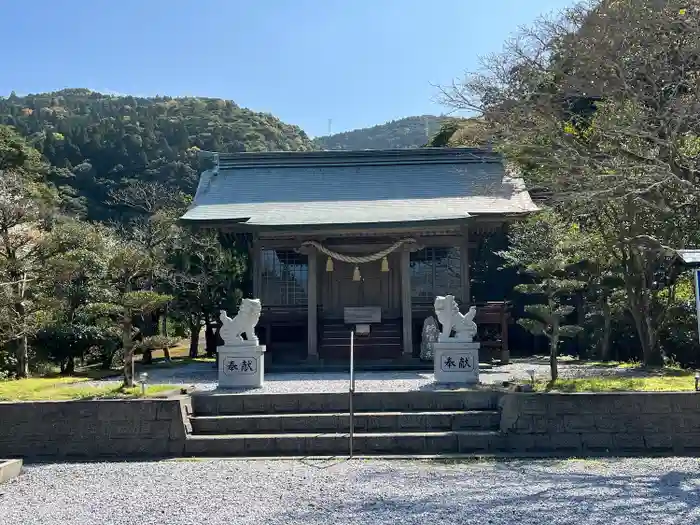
<point x="456" y="362"/>
<point x="241" y="366"/>
<point x="456" y="354"/>
<point x="241" y="361"/>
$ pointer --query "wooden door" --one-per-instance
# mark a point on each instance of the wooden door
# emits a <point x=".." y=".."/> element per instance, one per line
<point x="375" y="288"/>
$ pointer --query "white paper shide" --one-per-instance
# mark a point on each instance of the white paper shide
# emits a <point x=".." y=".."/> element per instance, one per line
<point x="241" y="361"/>
<point x="456" y="354"/>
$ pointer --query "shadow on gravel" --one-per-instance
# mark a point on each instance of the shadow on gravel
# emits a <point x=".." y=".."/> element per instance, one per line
<point x="515" y="491"/>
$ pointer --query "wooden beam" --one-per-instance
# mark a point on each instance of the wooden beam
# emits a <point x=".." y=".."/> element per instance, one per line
<point x="369" y="231"/>
<point x="406" y="314"/>
<point x="312" y="300"/>
<point x="352" y="245"/>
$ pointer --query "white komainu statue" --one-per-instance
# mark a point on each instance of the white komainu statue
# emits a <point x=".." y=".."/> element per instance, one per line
<point x="448" y="314"/>
<point x="244" y="323"/>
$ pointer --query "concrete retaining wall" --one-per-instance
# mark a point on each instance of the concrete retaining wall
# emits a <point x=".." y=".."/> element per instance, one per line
<point x="555" y="424"/>
<point x="117" y="429"/>
<point x="636" y="423"/>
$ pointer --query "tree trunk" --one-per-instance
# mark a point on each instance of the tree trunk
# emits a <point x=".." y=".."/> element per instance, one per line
<point x="107" y="358"/>
<point x="654" y="355"/>
<point x="147" y="357"/>
<point x="128" y="349"/>
<point x="22" y="355"/>
<point x="70" y="366"/>
<point x="553" y="368"/>
<point x="166" y="353"/>
<point x="22" y="350"/>
<point x="640" y="309"/>
<point x="211" y="336"/>
<point x="640" y="303"/>
<point x="581" y="348"/>
<point x="553" y="350"/>
<point x="607" y="331"/>
<point x="195" y="329"/>
<point x="164" y="328"/>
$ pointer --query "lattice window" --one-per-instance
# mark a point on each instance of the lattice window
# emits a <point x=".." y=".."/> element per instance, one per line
<point x="285" y="277"/>
<point x="435" y="271"/>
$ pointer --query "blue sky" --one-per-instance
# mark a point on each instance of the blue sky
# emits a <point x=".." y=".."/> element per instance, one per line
<point x="357" y="62"/>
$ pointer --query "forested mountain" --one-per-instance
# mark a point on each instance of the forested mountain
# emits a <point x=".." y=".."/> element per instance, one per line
<point x="96" y="143"/>
<point x="410" y="132"/>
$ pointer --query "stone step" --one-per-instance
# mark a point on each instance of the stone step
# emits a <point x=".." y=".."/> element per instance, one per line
<point x="340" y="422"/>
<point x="304" y="444"/>
<point x="372" y="328"/>
<point x="367" y="341"/>
<point x="350" y="326"/>
<point x="393" y="341"/>
<point x="345" y="334"/>
<point x="362" y="353"/>
<point x="221" y="403"/>
<point x="359" y="338"/>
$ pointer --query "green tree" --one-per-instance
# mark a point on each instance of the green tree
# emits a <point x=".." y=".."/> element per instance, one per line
<point x="128" y="269"/>
<point x="204" y="276"/>
<point x="154" y="210"/>
<point x="20" y="233"/>
<point x="545" y="249"/>
<point x="98" y="144"/>
<point x="410" y="132"/>
<point x="74" y="260"/>
<point x="599" y="106"/>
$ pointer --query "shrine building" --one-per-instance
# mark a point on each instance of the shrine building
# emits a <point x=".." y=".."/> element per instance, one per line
<point x="362" y="240"/>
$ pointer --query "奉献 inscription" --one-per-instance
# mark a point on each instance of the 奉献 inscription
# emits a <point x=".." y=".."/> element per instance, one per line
<point x="457" y="362"/>
<point x="240" y="365"/>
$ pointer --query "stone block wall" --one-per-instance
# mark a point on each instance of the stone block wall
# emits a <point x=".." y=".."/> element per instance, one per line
<point x="635" y="423"/>
<point x="116" y="429"/>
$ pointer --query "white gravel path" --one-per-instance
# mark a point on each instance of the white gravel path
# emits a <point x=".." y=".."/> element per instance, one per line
<point x="367" y="492"/>
<point x="202" y="376"/>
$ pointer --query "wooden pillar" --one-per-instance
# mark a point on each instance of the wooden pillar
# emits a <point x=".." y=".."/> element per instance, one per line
<point x="256" y="263"/>
<point x="312" y="301"/>
<point x="464" y="269"/>
<point x="406" y="314"/>
<point x="505" y="349"/>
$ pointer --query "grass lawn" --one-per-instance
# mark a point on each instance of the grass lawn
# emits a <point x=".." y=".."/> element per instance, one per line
<point x="62" y="388"/>
<point x="665" y="381"/>
<point x="613" y="364"/>
<point x="179" y="355"/>
<point x="175" y="361"/>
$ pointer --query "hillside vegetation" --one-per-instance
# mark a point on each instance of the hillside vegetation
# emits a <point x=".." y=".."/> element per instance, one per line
<point x="97" y="144"/>
<point x="410" y="132"/>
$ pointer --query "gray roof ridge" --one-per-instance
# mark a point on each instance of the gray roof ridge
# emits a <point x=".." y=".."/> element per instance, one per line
<point x="354" y="157"/>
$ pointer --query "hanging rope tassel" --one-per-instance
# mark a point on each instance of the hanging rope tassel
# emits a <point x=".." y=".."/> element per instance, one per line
<point x="356" y="274"/>
<point x="329" y="265"/>
<point x="385" y="264"/>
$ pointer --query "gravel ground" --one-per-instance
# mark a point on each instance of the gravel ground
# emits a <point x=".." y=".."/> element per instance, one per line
<point x="629" y="491"/>
<point x="203" y="377"/>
